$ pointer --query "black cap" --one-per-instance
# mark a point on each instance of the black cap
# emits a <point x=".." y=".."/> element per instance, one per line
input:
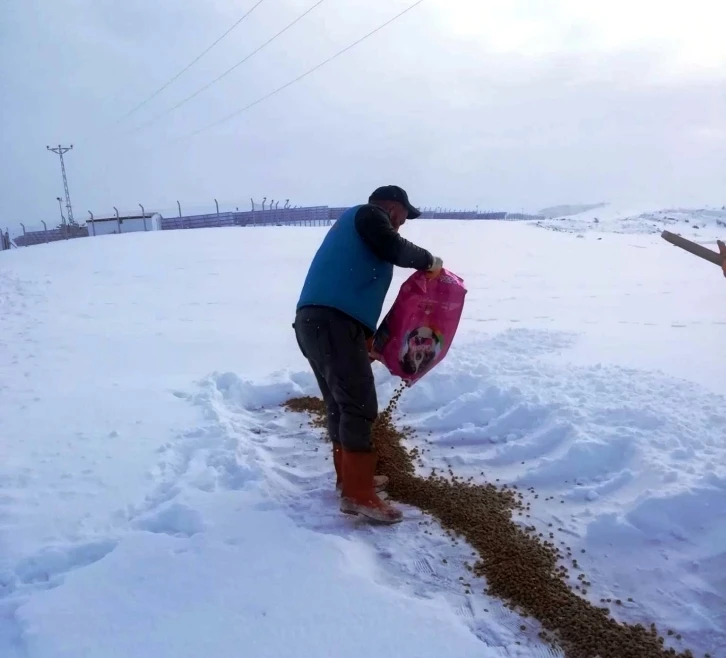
<point x="395" y="193"/>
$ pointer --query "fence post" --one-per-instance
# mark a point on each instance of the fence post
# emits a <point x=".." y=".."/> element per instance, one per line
<point x="143" y="215"/>
<point x="45" y="230"/>
<point x="118" y="220"/>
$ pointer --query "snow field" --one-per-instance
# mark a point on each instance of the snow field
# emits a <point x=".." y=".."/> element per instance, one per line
<point x="139" y="491"/>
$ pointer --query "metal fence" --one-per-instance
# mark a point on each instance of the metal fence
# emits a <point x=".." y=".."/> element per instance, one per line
<point x="427" y="213"/>
<point x="335" y="213"/>
<point x="199" y="221"/>
<point x="311" y="216"/>
<point x="463" y="214"/>
<point x="274" y="216"/>
<point x="63" y="232"/>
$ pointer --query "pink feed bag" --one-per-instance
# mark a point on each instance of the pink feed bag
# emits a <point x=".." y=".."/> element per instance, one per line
<point x="417" y="332"/>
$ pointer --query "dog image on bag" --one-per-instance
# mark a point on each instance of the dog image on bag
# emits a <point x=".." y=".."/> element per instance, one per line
<point x="420" y="349"/>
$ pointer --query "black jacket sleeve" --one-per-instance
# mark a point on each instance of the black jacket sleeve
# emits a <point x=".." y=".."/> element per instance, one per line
<point x="374" y="227"/>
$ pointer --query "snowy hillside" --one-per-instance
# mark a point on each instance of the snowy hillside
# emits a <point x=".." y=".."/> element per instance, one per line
<point x="565" y="210"/>
<point x="699" y="224"/>
<point x="156" y="501"/>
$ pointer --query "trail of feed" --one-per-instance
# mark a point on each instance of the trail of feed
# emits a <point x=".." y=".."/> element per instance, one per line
<point x="525" y="569"/>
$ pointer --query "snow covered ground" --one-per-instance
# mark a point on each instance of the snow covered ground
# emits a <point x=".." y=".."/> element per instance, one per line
<point x="155" y="501"/>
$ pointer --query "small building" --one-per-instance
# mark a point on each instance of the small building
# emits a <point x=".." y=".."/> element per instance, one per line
<point x="124" y="224"/>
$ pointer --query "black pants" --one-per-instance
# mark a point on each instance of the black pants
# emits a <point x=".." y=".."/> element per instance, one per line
<point x="335" y="346"/>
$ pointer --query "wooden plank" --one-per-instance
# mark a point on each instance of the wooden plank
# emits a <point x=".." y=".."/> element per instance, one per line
<point x="693" y="248"/>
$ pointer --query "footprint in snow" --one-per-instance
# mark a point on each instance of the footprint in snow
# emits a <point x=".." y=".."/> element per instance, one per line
<point x="54" y="561"/>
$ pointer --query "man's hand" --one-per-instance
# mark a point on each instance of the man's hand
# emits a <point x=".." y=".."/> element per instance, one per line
<point x="722" y="249"/>
<point x="437" y="265"/>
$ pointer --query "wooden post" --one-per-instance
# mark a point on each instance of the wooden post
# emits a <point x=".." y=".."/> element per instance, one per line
<point x="693" y="248"/>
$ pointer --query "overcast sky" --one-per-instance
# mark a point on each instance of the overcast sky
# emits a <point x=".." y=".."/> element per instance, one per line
<point x="505" y="105"/>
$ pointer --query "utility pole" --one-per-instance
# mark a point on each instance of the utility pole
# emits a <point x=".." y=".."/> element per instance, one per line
<point x="60" y="207"/>
<point x="60" y="150"/>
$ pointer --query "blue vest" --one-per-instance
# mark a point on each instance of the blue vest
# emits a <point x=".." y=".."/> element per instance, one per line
<point x="346" y="275"/>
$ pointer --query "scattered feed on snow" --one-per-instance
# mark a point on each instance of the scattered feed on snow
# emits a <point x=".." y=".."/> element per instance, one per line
<point x="308" y="404"/>
<point x="523" y="569"/>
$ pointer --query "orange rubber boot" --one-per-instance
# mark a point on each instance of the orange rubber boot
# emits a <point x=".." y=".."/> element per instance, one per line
<point x="379" y="481"/>
<point x="359" y="495"/>
<point x="338" y="463"/>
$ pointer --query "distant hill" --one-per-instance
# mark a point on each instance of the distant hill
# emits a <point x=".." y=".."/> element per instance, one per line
<point x="566" y="210"/>
<point x="704" y="225"/>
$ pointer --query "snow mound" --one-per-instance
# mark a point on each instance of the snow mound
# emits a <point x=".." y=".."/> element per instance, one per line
<point x="699" y="223"/>
<point x="175" y="520"/>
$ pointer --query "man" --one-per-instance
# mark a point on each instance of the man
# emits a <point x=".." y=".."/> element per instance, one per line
<point x="722" y="249"/>
<point x="337" y="314"/>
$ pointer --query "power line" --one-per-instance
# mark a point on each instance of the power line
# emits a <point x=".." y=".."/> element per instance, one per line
<point x="188" y="66"/>
<point x="304" y="75"/>
<point x="228" y="71"/>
